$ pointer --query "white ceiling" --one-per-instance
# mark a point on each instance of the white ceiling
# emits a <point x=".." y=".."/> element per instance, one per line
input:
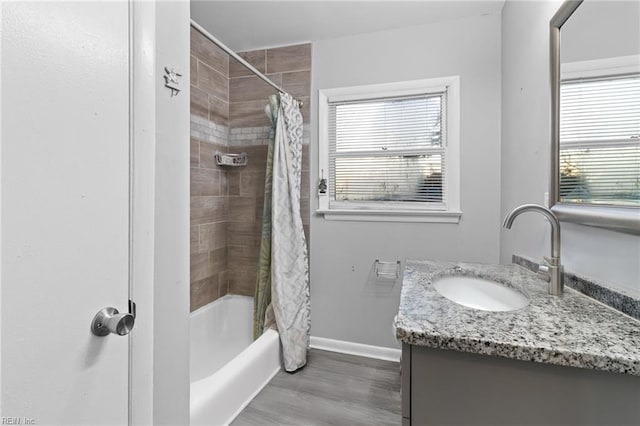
<point x="247" y="25"/>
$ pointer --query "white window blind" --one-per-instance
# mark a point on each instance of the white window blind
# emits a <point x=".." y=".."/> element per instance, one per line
<point x="600" y="140"/>
<point x="388" y="150"/>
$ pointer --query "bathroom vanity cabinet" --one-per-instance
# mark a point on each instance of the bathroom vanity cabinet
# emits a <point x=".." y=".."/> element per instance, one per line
<point x="559" y="360"/>
<point x="449" y="387"/>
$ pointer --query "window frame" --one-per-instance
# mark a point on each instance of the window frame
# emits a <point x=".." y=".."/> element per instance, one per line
<point x="393" y="211"/>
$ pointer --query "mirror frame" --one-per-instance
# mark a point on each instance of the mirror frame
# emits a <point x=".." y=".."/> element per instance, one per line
<point x="615" y="218"/>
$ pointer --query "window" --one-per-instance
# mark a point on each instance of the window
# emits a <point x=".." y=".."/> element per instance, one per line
<point x="600" y="140"/>
<point x="391" y="151"/>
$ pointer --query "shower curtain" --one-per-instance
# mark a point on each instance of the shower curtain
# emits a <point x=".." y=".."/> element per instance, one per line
<point x="283" y="257"/>
<point x="262" y="297"/>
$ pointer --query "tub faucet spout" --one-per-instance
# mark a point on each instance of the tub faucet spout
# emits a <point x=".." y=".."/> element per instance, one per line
<point x="550" y="268"/>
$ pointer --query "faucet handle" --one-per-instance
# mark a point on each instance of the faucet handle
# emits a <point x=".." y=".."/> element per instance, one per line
<point x="543" y="270"/>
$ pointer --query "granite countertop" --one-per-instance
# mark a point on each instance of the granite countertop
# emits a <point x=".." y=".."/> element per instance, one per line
<point x="570" y="330"/>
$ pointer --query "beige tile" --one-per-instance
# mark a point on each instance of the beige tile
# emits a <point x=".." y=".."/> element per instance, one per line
<point x="205" y="182"/>
<point x="195" y="153"/>
<point x="248" y="114"/>
<point x="243" y="256"/>
<point x="224" y="184"/>
<point x="203" y="292"/>
<point x="304" y="184"/>
<point x="257" y="158"/>
<point x="207" y="156"/>
<point x="194" y="240"/>
<point x="289" y="58"/>
<point x="297" y="84"/>
<point x="243" y="281"/>
<point x="305" y="210"/>
<point x="244" y="234"/>
<point x="233" y="182"/>
<point x="242" y="209"/>
<point x="199" y="103"/>
<point x="223" y="283"/>
<point x="199" y="267"/>
<point x="212" y="82"/>
<point x="259" y="209"/>
<point x="209" y="53"/>
<point x="209" y="210"/>
<point x="252" y="88"/>
<point x="305" y="158"/>
<point x="213" y="236"/>
<point x="193" y="68"/>
<point x="257" y="58"/>
<point x="219" y="260"/>
<point x="243" y="252"/>
<point x="252" y="184"/>
<point x="219" y="295"/>
<point x="218" y="111"/>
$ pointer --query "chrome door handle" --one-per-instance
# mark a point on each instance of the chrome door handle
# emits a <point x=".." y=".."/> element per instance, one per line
<point x="109" y="320"/>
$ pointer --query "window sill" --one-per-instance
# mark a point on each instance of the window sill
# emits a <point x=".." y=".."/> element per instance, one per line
<point x="391" y="215"/>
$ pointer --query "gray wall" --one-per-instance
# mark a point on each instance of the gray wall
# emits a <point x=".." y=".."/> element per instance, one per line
<point x="609" y="257"/>
<point x="347" y="303"/>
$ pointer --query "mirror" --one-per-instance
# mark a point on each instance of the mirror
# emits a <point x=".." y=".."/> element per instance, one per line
<point x="595" y="81"/>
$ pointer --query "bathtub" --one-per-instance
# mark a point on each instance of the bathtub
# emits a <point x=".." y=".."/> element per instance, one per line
<point x="227" y="367"/>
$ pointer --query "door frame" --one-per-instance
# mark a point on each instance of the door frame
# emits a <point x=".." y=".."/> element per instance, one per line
<point x="159" y="201"/>
<point x="142" y="46"/>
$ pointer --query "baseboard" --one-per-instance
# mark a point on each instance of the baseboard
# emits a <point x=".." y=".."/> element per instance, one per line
<point x="351" y="348"/>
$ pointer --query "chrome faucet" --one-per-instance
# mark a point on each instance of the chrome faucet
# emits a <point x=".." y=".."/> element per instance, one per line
<point x="550" y="269"/>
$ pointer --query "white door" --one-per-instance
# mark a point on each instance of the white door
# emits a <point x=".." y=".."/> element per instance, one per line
<point x="65" y="210"/>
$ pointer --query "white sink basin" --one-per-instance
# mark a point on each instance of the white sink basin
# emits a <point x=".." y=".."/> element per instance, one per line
<point x="480" y="294"/>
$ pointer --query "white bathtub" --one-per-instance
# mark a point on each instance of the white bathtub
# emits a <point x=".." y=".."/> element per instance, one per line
<point x="227" y="368"/>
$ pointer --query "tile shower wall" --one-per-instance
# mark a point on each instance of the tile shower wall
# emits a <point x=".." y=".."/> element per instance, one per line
<point x="209" y="202"/>
<point x="289" y="67"/>
<point x="227" y="114"/>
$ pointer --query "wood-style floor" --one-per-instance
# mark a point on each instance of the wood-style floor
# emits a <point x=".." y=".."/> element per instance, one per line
<point x="332" y="389"/>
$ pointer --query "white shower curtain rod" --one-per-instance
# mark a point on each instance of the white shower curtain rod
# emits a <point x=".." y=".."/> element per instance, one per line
<point x="237" y="57"/>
